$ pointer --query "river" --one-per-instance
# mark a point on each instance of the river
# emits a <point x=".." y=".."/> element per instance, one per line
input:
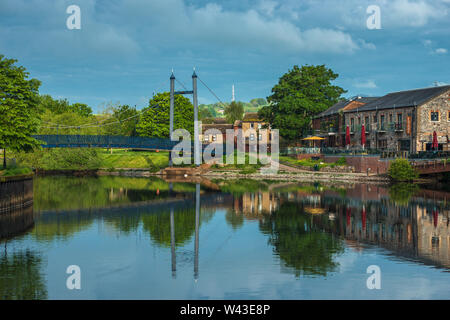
<point x="147" y="238"/>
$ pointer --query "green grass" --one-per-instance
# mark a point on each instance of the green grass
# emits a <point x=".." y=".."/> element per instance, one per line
<point x="15" y="171"/>
<point x="133" y="159"/>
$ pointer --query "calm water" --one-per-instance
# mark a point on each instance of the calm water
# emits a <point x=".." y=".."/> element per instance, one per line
<point x="140" y="238"/>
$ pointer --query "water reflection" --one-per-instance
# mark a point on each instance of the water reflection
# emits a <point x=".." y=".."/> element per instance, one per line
<point x="307" y="227"/>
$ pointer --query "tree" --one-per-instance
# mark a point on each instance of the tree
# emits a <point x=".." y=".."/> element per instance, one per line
<point x="204" y="112"/>
<point x="154" y="121"/>
<point x="402" y="170"/>
<point x="300" y="94"/>
<point x="19" y="107"/>
<point x="234" y="111"/>
<point x="126" y="116"/>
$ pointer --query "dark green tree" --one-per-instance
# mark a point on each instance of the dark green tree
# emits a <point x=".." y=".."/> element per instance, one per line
<point x="19" y="107"/>
<point x="154" y="120"/>
<point x="234" y="111"/>
<point x="300" y="94"/>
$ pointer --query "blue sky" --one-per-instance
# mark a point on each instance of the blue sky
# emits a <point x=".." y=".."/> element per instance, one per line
<point x="125" y="50"/>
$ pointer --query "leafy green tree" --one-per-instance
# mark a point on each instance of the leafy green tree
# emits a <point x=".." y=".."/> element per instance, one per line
<point x="19" y="107"/>
<point x="204" y="112"/>
<point x="82" y="109"/>
<point x="154" y="120"/>
<point x="258" y="102"/>
<point x="401" y="170"/>
<point x="234" y="111"/>
<point x="61" y="106"/>
<point x="300" y="94"/>
<point x="126" y="116"/>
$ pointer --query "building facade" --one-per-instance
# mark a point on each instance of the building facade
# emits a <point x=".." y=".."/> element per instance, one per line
<point x="403" y="121"/>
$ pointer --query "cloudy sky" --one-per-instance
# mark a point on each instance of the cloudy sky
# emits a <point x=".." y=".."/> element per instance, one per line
<point x="125" y="49"/>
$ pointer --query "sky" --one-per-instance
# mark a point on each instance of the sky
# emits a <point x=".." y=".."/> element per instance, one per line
<point x="125" y="49"/>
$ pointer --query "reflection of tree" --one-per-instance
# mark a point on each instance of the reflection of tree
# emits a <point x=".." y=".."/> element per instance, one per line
<point x="401" y="193"/>
<point x="158" y="225"/>
<point x="300" y="241"/>
<point x="234" y="219"/>
<point x="20" y="276"/>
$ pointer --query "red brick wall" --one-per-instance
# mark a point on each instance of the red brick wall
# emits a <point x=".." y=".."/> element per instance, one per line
<point x="362" y="163"/>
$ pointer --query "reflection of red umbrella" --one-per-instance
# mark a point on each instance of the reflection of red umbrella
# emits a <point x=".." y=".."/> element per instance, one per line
<point x="435" y="217"/>
<point x="363" y="136"/>
<point x="347" y="136"/>
<point x="435" y="144"/>
<point x="348" y="216"/>
<point x="364" y="218"/>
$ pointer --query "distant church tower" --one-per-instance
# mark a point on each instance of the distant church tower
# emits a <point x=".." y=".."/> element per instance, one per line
<point x="232" y="93"/>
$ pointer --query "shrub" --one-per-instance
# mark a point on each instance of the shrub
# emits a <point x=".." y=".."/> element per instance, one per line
<point x="401" y="170"/>
<point x="342" y="161"/>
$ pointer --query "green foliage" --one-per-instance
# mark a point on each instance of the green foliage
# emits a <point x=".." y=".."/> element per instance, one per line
<point x="61" y="159"/>
<point x="19" y="107"/>
<point x="154" y="121"/>
<point x="234" y="111"/>
<point x="401" y="170"/>
<point x="126" y="116"/>
<point x="63" y="106"/>
<point x="300" y="241"/>
<point x="204" y="112"/>
<point x="342" y="161"/>
<point x="401" y="193"/>
<point x="299" y="95"/>
<point x="15" y="171"/>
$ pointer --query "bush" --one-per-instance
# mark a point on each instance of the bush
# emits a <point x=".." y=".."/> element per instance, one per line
<point x="342" y="161"/>
<point x="401" y="170"/>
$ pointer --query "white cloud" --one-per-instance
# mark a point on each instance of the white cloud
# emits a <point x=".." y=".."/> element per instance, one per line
<point x="441" y="51"/>
<point x="367" y="84"/>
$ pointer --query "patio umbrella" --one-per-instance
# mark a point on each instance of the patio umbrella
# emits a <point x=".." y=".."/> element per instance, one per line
<point x="364" y="218"/>
<point x="435" y="144"/>
<point x="363" y="136"/>
<point x="347" y="136"/>
<point x="347" y="214"/>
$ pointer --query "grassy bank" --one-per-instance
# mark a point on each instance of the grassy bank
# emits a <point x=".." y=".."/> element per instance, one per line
<point x="91" y="159"/>
<point x="311" y="163"/>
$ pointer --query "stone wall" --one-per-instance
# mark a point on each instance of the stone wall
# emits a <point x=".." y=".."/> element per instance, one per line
<point x="426" y="127"/>
<point x="363" y="163"/>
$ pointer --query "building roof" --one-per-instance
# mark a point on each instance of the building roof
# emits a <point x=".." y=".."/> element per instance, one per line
<point x="334" y="109"/>
<point x="221" y="127"/>
<point x="251" y="116"/>
<point x="403" y="99"/>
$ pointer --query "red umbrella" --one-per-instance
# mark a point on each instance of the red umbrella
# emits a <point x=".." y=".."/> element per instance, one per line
<point x="435" y="144"/>
<point x="364" y="218"/>
<point x="363" y="136"/>
<point x="347" y="136"/>
<point x="348" y="213"/>
<point x="435" y="218"/>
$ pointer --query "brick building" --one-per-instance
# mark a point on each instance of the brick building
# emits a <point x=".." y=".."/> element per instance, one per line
<point x="403" y="121"/>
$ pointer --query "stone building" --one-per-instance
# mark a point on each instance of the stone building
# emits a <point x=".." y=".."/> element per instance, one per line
<point x="403" y="121"/>
<point x="330" y="123"/>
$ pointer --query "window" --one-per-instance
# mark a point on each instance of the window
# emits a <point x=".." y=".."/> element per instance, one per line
<point x="382" y="144"/>
<point x="205" y="137"/>
<point x="359" y="120"/>
<point x="252" y="125"/>
<point x="352" y="124"/>
<point x="366" y="121"/>
<point x="390" y="118"/>
<point x="399" y="118"/>
<point x="260" y="136"/>
<point x="259" y="125"/>
<point x="374" y="119"/>
<point x="434" y="116"/>
<point x="252" y="137"/>
<point x="448" y="116"/>
<point x="214" y="137"/>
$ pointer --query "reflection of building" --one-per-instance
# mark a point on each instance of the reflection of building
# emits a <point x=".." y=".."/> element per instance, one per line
<point x="418" y="231"/>
<point x="254" y="204"/>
